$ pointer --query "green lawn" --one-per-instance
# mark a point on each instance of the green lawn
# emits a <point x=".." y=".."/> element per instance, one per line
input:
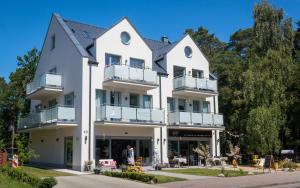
<point x="208" y="172"/>
<point x="42" y="172"/>
<point x="6" y="181"/>
<point x="166" y="179"/>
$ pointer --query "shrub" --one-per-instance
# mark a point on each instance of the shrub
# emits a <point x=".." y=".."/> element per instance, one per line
<point x="287" y="164"/>
<point x="19" y="175"/>
<point x="132" y="175"/>
<point x="47" y="183"/>
<point x="137" y="169"/>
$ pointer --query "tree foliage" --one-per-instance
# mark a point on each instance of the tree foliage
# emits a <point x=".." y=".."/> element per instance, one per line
<point x="13" y="102"/>
<point x="257" y="81"/>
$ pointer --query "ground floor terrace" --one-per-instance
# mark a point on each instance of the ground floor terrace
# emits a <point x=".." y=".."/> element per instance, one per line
<point x="151" y="144"/>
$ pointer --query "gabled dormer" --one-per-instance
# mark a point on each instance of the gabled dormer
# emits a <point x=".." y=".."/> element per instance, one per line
<point x="125" y="57"/>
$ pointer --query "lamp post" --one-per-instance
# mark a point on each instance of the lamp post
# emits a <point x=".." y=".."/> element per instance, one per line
<point x="12" y="129"/>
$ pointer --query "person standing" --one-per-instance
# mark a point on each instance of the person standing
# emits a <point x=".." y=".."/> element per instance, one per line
<point x="130" y="155"/>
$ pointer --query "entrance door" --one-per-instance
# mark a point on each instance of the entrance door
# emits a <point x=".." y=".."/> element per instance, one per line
<point x="68" y="151"/>
<point x="119" y="150"/>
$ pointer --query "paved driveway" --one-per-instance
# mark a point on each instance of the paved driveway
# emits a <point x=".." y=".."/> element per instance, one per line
<point x="278" y="180"/>
<point x="275" y="180"/>
<point x="98" y="181"/>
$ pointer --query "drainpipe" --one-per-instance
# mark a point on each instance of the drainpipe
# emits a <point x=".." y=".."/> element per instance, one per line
<point x="90" y="63"/>
<point x="160" y="106"/>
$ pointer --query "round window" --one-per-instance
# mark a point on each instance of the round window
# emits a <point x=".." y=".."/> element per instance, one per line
<point x="188" y="51"/>
<point x="125" y="37"/>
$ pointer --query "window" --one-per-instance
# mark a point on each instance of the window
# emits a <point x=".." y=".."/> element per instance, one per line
<point x="197" y="73"/>
<point x="53" y="71"/>
<point x="111" y="59"/>
<point x="115" y="98"/>
<point x="38" y="108"/>
<point x="86" y="34"/>
<point x="181" y="105"/>
<point x="171" y="104"/>
<point x="125" y="38"/>
<point x="196" y="106"/>
<point x="206" y="106"/>
<point x="52" y="103"/>
<point x="147" y="101"/>
<point x="188" y="52"/>
<point x="137" y="63"/>
<point x="100" y="97"/>
<point x="178" y="71"/>
<point x="134" y="100"/>
<point x="69" y="99"/>
<point x="52" y="42"/>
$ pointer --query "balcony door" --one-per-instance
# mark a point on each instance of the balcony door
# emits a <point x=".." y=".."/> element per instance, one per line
<point x="115" y="98"/>
<point x="137" y="63"/>
<point x="147" y="101"/>
<point x="182" y="105"/>
<point x="68" y="152"/>
<point x="111" y="59"/>
<point x="179" y="71"/>
<point x="52" y="103"/>
<point x="196" y="106"/>
<point x="134" y="100"/>
<point x="171" y="104"/>
<point x="69" y="99"/>
<point x="197" y="73"/>
<point x="205" y="107"/>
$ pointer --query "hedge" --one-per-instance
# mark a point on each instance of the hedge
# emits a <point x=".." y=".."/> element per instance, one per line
<point x="34" y="181"/>
<point x="147" y="178"/>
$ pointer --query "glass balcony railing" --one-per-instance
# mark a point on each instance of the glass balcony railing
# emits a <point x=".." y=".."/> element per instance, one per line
<point x="126" y="73"/>
<point x="46" y="80"/>
<point x="194" y="83"/>
<point x="63" y="114"/>
<point x="191" y="118"/>
<point x="129" y="114"/>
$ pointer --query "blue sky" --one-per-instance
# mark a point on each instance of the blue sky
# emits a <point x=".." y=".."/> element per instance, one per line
<point x="23" y="24"/>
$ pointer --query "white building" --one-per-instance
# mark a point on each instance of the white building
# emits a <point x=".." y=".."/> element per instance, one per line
<point x="97" y="90"/>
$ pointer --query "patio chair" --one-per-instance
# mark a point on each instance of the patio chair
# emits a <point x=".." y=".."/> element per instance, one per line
<point x="260" y="163"/>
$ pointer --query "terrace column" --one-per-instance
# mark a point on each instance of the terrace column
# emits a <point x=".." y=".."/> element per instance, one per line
<point x="218" y="142"/>
<point x="213" y="143"/>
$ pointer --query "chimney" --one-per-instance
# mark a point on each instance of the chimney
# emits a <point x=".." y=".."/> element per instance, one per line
<point x="165" y="39"/>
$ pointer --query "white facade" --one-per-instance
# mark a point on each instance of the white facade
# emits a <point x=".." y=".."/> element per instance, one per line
<point x="104" y="102"/>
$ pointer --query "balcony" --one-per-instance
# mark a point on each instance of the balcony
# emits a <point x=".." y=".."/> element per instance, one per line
<point x="119" y="115"/>
<point x="188" y="86"/>
<point x="122" y="76"/>
<point x="195" y="119"/>
<point x="47" y="85"/>
<point x="60" y="116"/>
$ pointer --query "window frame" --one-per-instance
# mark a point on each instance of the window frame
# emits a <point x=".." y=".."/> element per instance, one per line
<point x="129" y="38"/>
<point x="67" y="95"/>
<point x="53" y="42"/>
<point x="109" y="55"/>
<point x="185" y="51"/>
<point x="138" y="100"/>
<point x="136" y="59"/>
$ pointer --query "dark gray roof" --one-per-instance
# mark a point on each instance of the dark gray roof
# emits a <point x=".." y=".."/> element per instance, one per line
<point x="85" y="35"/>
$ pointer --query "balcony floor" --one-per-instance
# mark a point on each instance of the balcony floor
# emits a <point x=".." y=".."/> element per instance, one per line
<point x="44" y="92"/>
<point x="195" y="127"/>
<point x="129" y="124"/>
<point x="189" y="92"/>
<point x="50" y="126"/>
<point x="128" y="84"/>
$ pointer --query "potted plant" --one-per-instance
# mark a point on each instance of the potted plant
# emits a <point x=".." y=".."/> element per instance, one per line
<point x="88" y="165"/>
<point x="203" y="153"/>
<point x="124" y="167"/>
<point x="234" y="154"/>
